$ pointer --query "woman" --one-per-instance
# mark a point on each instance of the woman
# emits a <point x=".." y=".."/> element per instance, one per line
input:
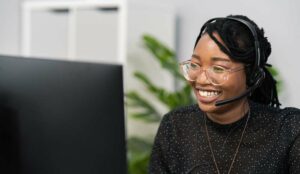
<point x="237" y="125"/>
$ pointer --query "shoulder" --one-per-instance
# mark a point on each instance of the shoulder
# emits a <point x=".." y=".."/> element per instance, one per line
<point x="184" y="112"/>
<point x="173" y="121"/>
<point x="181" y="117"/>
<point x="286" y="113"/>
<point x="287" y="119"/>
<point x="291" y="119"/>
<point x="290" y="116"/>
<point x="291" y="112"/>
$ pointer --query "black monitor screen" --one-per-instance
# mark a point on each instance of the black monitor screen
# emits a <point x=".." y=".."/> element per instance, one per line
<point x="61" y="117"/>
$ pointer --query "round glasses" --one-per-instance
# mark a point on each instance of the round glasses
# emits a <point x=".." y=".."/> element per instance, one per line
<point x="217" y="75"/>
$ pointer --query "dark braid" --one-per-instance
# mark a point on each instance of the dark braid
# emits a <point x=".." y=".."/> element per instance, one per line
<point x="239" y="46"/>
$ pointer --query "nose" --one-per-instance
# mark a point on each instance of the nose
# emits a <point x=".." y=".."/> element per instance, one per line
<point x="202" y="78"/>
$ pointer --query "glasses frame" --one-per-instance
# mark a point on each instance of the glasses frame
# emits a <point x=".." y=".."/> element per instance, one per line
<point x="229" y="71"/>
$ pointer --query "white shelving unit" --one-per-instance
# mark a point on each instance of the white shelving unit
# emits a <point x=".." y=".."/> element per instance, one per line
<point x="73" y="11"/>
<point x="77" y="30"/>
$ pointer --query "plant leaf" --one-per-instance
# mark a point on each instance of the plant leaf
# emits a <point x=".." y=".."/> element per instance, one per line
<point x="163" y="54"/>
<point x="138" y="155"/>
<point x="148" y="113"/>
<point x="170" y="99"/>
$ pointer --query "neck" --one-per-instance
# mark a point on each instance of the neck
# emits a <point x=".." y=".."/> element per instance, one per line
<point x="230" y="113"/>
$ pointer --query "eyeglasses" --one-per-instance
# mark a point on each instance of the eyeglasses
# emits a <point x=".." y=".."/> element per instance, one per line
<point x="217" y="75"/>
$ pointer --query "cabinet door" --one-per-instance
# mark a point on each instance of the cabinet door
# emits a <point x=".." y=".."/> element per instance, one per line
<point x="49" y="34"/>
<point x="97" y="35"/>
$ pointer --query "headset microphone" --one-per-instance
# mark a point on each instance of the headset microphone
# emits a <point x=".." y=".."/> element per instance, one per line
<point x="244" y="94"/>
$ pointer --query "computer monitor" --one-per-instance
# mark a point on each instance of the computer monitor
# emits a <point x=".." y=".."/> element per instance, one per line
<point x="61" y="117"/>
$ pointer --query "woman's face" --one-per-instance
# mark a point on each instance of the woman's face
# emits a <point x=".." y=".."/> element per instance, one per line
<point x="206" y="54"/>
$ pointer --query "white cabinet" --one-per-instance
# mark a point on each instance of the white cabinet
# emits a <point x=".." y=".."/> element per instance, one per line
<point x="77" y="30"/>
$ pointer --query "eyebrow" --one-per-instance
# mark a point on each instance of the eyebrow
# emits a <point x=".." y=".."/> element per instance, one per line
<point x="213" y="58"/>
<point x="196" y="56"/>
<point x="220" y="59"/>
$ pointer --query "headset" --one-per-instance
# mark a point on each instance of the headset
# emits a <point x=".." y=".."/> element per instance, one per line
<point x="258" y="73"/>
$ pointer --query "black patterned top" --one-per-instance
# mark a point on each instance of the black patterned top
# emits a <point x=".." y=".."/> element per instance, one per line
<point x="271" y="143"/>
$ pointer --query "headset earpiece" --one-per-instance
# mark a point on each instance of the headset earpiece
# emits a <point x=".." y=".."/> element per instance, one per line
<point x="257" y="75"/>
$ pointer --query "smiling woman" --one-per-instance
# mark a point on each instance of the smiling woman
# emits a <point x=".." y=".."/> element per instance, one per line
<point x="217" y="79"/>
<point x="237" y="125"/>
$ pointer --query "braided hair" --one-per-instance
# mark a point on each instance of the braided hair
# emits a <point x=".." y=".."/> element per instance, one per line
<point x="239" y="46"/>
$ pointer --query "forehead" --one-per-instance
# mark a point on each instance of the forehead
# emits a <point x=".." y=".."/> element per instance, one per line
<point x="207" y="48"/>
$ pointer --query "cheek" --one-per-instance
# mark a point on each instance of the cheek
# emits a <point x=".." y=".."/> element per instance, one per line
<point x="236" y="84"/>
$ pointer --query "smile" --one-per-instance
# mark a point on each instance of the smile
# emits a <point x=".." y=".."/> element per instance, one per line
<point x="206" y="93"/>
<point x="203" y="93"/>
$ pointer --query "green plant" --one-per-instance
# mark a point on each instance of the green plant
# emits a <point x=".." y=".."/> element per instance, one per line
<point x="139" y="149"/>
<point x="171" y="100"/>
<point x="275" y="74"/>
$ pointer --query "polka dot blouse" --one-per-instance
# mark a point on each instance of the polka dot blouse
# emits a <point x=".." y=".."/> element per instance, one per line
<point x="271" y="143"/>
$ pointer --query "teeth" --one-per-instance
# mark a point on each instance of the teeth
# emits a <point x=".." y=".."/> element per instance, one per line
<point x="208" y="93"/>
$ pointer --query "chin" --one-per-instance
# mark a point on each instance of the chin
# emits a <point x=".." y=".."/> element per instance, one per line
<point x="207" y="107"/>
<point x="211" y="108"/>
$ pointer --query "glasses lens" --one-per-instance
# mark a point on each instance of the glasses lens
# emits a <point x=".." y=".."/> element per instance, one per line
<point x="217" y="75"/>
<point x="189" y="70"/>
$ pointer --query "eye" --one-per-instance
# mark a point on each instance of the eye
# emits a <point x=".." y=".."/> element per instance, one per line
<point x="218" y="69"/>
<point x="193" y="66"/>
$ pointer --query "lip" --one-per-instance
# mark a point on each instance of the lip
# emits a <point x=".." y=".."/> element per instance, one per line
<point x="206" y="100"/>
